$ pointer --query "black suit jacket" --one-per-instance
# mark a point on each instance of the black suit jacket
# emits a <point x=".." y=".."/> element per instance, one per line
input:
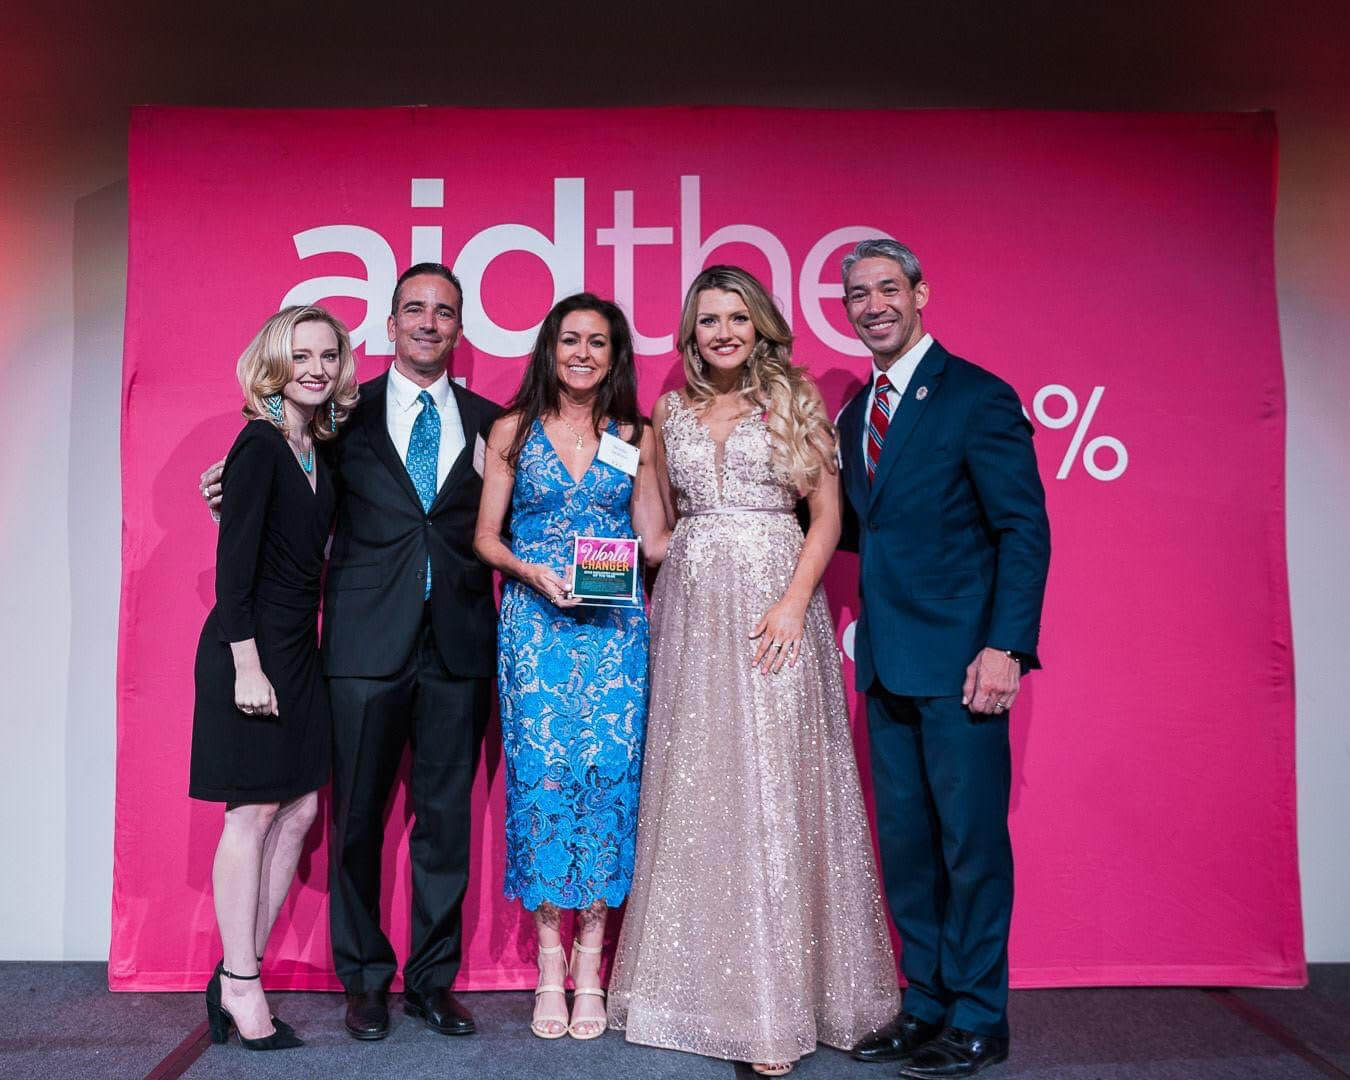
<point x="374" y="593"/>
<point x="953" y="538"/>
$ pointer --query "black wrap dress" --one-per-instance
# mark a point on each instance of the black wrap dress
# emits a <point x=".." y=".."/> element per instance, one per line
<point x="269" y="561"/>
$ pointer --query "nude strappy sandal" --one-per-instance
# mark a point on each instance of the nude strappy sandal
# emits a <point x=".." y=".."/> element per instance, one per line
<point x="593" y="991"/>
<point x="550" y="988"/>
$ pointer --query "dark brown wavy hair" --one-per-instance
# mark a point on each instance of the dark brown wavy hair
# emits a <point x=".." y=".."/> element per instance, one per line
<point x="541" y="390"/>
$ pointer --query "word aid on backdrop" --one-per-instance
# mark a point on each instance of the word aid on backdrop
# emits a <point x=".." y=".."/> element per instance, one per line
<point x="1117" y="270"/>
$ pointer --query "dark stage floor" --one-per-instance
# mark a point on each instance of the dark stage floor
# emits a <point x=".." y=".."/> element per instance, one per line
<point x="60" y="1021"/>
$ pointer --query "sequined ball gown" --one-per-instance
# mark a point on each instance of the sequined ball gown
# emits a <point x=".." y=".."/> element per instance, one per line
<point x="755" y="926"/>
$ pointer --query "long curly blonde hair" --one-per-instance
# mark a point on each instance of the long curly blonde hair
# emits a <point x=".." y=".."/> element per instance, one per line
<point x="804" y="441"/>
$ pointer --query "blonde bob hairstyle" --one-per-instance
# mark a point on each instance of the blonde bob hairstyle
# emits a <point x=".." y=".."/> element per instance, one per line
<point x="804" y="441"/>
<point x="266" y="366"/>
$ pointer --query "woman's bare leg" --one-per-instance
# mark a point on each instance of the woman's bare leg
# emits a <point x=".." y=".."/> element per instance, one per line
<point x="235" y="877"/>
<point x="588" y="1010"/>
<point x="552" y="970"/>
<point x="281" y="854"/>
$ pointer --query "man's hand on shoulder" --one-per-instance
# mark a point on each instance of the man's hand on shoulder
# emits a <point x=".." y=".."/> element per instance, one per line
<point x="992" y="682"/>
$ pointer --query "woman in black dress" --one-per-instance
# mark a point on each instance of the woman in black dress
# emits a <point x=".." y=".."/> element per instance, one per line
<point x="260" y="729"/>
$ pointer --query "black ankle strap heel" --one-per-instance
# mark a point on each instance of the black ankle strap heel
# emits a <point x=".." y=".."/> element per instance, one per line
<point x="220" y="1020"/>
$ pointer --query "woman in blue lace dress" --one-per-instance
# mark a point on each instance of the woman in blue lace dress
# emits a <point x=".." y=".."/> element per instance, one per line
<point x="571" y="456"/>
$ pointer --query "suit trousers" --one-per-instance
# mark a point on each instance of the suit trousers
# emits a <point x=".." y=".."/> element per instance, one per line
<point x="941" y="776"/>
<point x="443" y="718"/>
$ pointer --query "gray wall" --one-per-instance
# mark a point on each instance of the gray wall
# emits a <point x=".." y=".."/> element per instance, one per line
<point x="68" y="77"/>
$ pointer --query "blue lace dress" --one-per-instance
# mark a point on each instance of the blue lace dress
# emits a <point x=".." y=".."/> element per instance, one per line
<point x="573" y="690"/>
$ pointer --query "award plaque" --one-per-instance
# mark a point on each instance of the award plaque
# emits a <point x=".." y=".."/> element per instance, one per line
<point x="606" y="571"/>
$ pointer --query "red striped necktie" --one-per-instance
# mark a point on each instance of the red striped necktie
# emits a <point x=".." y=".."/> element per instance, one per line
<point x="877" y="423"/>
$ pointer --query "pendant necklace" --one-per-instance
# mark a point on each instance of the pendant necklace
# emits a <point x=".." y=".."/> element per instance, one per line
<point x="581" y="440"/>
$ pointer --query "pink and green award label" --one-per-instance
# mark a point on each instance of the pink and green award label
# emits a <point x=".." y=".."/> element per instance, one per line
<point x="605" y="570"/>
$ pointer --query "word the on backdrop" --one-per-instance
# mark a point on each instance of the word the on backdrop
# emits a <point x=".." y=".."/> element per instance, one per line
<point x="564" y="255"/>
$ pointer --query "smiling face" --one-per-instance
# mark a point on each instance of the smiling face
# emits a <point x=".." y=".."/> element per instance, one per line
<point x="425" y="327"/>
<point x="315" y="361"/>
<point x="884" y="308"/>
<point x="723" y="329"/>
<point x="584" y="352"/>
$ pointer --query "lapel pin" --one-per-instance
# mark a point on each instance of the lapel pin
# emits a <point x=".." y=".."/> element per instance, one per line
<point x="921" y="393"/>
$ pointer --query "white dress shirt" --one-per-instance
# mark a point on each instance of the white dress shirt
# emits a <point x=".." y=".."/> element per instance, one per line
<point x="401" y="409"/>
<point x="900" y="372"/>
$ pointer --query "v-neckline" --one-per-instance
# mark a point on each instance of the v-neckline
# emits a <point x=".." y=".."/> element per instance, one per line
<point x="314" y="487"/>
<point x="576" y="480"/>
<point x="290" y="451"/>
<point x="721" y="443"/>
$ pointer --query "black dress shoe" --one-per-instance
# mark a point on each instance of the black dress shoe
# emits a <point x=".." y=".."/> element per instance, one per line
<point x="367" y="1014"/>
<point x="955" y="1053"/>
<point x="903" y="1035"/>
<point x="440" y="1010"/>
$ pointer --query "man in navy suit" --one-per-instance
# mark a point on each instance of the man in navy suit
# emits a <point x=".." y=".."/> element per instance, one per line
<point x="954" y="544"/>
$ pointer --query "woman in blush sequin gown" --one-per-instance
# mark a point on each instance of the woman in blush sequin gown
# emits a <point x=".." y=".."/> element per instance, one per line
<point x="755" y="927"/>
<point x="571" y="456"/>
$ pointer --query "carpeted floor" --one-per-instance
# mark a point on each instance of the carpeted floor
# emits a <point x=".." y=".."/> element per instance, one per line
<point x="60" y="1021"/>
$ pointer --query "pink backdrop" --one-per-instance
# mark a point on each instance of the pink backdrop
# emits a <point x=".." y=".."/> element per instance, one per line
<point x="1116" y="269"/>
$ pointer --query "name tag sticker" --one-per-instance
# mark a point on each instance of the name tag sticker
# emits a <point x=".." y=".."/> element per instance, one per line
<point x="479" y="455"/>
<point x="621" y="455"/>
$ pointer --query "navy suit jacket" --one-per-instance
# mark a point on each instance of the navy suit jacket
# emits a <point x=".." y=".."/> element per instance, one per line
<point x="952" y="533"/>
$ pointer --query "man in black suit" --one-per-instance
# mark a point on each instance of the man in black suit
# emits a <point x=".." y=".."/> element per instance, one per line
<point x="954" y="544"/>
<point x="409" y="648"/>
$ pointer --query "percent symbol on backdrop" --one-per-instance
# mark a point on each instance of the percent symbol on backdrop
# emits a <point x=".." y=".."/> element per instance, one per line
<point x="1095" y="447"/>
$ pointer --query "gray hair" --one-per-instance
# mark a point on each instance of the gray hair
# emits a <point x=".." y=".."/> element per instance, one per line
<point x="883" y="248"/>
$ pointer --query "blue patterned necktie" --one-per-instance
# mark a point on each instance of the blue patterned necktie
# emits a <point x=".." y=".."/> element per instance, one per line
<point x="424" y="449"/>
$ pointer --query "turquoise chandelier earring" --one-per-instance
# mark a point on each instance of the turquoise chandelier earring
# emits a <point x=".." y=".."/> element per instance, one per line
<point x="332" y="416"/>
<point x="273" y="403"/>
